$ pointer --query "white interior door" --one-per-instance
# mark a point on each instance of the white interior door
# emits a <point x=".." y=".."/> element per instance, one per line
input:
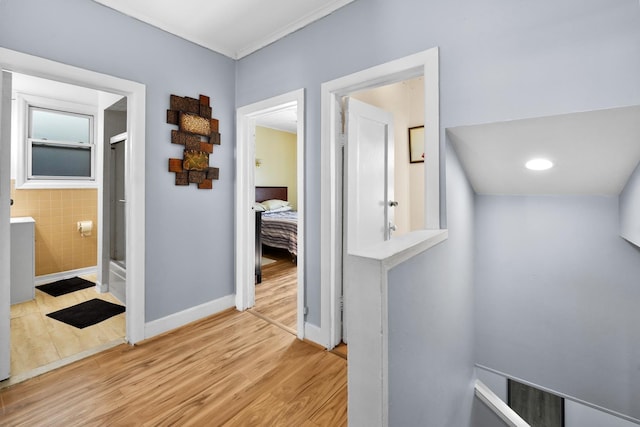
<point x="368" y="199"/>
<point x="5" y="213"/>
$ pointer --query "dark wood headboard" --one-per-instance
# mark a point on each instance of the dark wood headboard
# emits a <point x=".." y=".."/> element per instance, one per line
<point x="268" y="193"/>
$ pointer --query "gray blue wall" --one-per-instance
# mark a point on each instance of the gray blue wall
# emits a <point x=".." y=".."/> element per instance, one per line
<point x="189" y="232"/>
<point x="484" y="417"/>
<point x="499" y="60"/>
<point x="630" y="208"/>
<point x="557" y="297"/>
<point x="431" y="356"/>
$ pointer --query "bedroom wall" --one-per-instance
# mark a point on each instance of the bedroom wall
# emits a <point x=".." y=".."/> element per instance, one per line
<point x="406" y="101"/>
<point x="556" y="297"/>
<point x="431" y="354"/>
<point x="91" y="36"/>
<point x="277" y="152"/>
<point x="630" y="209"/>
<point x="499" y="60"/>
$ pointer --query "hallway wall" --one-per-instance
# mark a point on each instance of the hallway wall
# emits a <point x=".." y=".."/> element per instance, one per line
<point x="431" y="352"/>
<point x="82" y="35"/>
<point x="556" y="297"/>
<point x="630" y="209"/>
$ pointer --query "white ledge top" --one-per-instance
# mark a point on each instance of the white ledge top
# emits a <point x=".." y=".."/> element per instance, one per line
<point x="21" y="219"/>
<point x="399" y="249"/>
<point x="501" y="409"/>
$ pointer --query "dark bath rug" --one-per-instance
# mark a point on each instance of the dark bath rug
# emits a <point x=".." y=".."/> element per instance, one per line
<point x="87" y="313"/>
<point x="65" y="286"/>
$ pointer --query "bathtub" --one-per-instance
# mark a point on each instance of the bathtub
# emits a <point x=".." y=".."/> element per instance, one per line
<point x="118" y="279"/>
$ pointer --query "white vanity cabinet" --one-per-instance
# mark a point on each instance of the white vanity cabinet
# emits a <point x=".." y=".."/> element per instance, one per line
<point x="22" y="259"/>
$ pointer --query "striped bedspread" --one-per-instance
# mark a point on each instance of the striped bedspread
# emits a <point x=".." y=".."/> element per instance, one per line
<point x="280" y="230"/>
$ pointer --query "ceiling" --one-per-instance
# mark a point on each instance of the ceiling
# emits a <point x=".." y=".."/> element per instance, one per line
<point x="285" y="119"/>
<point x="594" y="153"/>
<point x="234" y="28"/>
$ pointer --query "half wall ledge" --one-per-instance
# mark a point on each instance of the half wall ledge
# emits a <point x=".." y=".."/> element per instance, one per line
<point x="400" y="249"/>
<point x="366" y="297"/>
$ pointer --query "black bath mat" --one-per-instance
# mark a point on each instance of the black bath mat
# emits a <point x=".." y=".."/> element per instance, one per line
<point x="87" y="313"/>
<point x="65" y="286"/>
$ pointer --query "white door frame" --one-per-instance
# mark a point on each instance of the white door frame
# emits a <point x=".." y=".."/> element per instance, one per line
<point x="245" y="198"/>
<point x="5" y="226"/>
<point x="135" y="211"/>
<point x="422" y="63"/>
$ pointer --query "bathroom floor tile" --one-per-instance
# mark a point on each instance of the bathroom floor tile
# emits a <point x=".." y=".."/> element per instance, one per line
<point x="37" y="340"/>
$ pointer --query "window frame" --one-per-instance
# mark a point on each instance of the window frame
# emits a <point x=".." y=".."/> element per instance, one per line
<point x="24" y="176"/>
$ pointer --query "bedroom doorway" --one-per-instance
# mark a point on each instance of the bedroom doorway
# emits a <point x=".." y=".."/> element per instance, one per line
<point x="270" y="210"/>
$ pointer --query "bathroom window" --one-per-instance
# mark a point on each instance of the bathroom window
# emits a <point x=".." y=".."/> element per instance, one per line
<point x="59" y="145"/>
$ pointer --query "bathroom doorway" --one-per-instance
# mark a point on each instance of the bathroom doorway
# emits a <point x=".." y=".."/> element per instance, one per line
<point x="13" y="61"/>
<point x="64" y="251"/>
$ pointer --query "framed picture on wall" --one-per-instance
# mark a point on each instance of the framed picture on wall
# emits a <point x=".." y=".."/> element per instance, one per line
<point x="416" y="144"/>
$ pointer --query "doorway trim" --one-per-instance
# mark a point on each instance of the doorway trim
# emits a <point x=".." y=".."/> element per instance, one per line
<point x="245" y="198"/>
<point x="5" y="225"/>
<point x="424" y="63"/>
<point x="135" y="92"/>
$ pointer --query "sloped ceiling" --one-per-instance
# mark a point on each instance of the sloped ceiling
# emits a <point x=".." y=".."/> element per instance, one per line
<point x="234" y="28"/>
<point x="594" y="153"/>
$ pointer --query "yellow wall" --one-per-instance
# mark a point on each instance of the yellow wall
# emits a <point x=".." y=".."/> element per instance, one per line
<point x="59" y="245"/>
<point x="277" y="153"/>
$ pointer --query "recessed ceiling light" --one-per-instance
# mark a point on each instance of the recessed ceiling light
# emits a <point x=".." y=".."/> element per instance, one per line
<point x="539" y="164"/>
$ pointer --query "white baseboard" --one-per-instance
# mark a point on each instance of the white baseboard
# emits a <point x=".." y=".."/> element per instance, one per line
<point x="102" y="288"/>
<point x="314" y="334"/>
<point x="46" y="278"/>
<point x="176" y="320"/>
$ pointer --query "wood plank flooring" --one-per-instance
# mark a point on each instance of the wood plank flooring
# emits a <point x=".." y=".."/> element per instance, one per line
<point x="37" y="340"/>
<point x="232" y="369"/>
<point x="276" y="296"/>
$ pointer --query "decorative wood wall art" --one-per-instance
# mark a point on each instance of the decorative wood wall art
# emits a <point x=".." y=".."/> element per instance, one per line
<point x="198" y="133"/>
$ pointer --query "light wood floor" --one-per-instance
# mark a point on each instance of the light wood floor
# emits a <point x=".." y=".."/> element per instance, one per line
<point x="276" y="296"/>
<point x="37" y="340"/>
<point x="233" y="369"/>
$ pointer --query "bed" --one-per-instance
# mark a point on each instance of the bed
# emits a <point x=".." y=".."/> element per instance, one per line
<point x="276" y="227"/>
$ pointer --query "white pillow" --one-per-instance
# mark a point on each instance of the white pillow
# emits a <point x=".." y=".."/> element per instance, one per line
<point x="280" y="209"/>
<point x="274" y="204"/>
<point x="258" y="207"/>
